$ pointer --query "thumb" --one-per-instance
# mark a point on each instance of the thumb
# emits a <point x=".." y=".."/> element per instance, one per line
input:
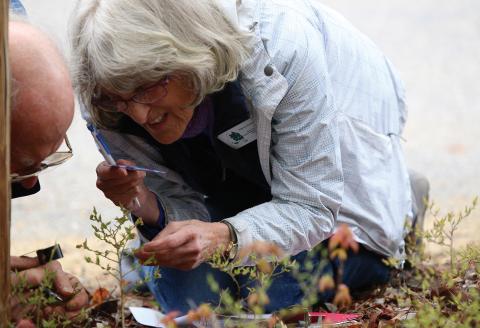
<point x="21" y="263"/>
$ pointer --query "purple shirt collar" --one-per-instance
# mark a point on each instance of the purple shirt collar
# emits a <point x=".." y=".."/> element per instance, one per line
<point x="202" y="118"/>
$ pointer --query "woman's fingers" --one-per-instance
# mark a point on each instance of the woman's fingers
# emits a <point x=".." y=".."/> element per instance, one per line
<point x="108" y="172"/>
<point x="114" y="178"/>
<point x="183" y="260"/>
<point x="180" y="247"/>
<point x="157" y="256"/>
<point x="170" y="242"/>
<point x="118" y="184"/>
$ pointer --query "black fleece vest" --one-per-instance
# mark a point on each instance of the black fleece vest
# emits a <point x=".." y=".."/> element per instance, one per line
<point x="231" y="179"/>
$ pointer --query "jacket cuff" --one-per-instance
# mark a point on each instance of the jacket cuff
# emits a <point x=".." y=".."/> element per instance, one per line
<point x="150" y="231"/>
<point x="244" y="237"/>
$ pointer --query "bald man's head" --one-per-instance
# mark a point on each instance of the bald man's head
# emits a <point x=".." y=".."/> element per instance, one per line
<point x="42" y="102"/>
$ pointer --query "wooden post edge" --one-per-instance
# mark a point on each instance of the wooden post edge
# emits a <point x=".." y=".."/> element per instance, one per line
<point x="4" y="168"/>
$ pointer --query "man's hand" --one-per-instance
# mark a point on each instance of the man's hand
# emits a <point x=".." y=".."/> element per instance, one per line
<point x="122" y="186"/>
<point x="66" y="285"/>
<point x="185" y="245"/>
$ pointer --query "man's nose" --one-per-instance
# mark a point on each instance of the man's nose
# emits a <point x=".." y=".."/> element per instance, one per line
<point x="29" y="183"/>
<point x="138" y="112"/>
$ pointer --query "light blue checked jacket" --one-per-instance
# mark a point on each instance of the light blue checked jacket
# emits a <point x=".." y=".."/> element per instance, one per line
<point x="329" y="110"/>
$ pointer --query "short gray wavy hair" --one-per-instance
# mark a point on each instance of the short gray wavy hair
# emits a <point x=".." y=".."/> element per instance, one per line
<point x="121" y="45"/>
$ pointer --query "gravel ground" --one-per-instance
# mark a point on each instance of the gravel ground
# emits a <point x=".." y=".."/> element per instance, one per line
<point x="435" y="45"/>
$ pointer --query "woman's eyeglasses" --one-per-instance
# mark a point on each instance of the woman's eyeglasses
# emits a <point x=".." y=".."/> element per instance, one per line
<point x="51" y="161"/>
<point x="148" y="95"/>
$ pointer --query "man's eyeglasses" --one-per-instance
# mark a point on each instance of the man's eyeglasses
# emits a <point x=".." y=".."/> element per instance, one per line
<point x="146" y="96"/>
<point x="51" y="161"/>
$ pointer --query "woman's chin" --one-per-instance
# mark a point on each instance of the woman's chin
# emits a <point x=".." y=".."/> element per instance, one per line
<point x="165" y="132"/>
<point x="166" y="138"/>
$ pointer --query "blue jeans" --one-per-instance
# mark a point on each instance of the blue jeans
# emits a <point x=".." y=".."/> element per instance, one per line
<point x="182" y="290"/>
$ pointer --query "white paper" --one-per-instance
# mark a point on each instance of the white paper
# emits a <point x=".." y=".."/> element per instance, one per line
<point x="152" y="318"/>
<point x="249" y="316"/>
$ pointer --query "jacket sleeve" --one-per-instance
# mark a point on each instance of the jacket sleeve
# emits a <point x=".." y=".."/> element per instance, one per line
<point x="307" y="179"/>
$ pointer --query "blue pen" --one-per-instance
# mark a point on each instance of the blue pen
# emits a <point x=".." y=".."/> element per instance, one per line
<point x="107" y="154"/>
<point x="105" y="151"/>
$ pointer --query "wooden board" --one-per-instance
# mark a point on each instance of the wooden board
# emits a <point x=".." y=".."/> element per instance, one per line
<point x="4" y="168"/>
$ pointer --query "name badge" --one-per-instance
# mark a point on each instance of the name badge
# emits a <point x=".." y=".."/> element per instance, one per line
<point x="240" y="135"/>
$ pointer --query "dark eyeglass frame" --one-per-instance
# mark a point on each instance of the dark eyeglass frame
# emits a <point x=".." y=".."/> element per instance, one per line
<point x="63" y="156"/>
<point x="145" y="96"/>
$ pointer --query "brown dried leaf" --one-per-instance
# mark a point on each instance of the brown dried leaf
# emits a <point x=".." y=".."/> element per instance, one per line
<point x="342" y="297"/>
<point x="100" y="295"/>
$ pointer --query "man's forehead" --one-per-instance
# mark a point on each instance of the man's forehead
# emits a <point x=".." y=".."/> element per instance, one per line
<point x="44" y="103"/>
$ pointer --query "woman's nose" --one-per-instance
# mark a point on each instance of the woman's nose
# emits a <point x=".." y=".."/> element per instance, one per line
<point x="138" y="112"/>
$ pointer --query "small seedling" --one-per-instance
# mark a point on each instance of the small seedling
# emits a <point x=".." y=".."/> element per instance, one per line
<point x="116" y="234"/>
<point x="445" y="227"/>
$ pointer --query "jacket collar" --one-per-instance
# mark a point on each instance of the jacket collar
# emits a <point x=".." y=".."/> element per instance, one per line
<point x="261" y="82"/>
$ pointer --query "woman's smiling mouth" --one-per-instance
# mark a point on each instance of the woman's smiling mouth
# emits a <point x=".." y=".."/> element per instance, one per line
<point x="157" y="120"/>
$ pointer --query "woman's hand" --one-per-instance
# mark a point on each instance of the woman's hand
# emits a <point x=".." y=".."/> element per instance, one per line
<point x="123" y="186"/>
<point x="185" y="245"/>
<point x="32" y="275"/>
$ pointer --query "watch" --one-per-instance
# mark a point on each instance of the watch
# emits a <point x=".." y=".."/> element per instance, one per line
<point x="232" y="247"/>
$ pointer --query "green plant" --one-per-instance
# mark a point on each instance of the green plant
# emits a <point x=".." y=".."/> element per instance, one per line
<point x="445" y="296"/>
<point x="116" y="234"/>
<point x="267" y="265"/>
<point x="445" y="226"/>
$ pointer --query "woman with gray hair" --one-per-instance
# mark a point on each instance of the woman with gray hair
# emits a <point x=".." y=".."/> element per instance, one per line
<point x="274" y="121"/>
